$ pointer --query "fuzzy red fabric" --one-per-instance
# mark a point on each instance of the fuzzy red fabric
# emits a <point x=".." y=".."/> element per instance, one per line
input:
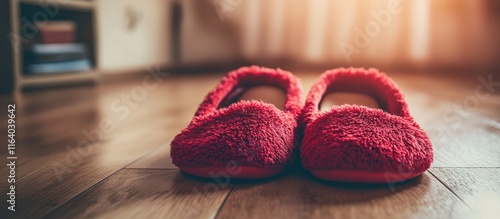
<point x="355" y="138"/>
<point x="248" y="133"/>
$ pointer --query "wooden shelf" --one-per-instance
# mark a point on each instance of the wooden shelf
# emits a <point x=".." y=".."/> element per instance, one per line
<point x="67" y="4"/>
<point x="80" y="11"/>
<point x="57" y="78"/>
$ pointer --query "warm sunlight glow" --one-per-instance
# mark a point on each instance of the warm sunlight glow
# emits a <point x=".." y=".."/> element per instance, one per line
<point x="317" y="28"/>
<point x="419" y="29"/>
<point x="251" y="28"/>
<point x="276" y="29"/>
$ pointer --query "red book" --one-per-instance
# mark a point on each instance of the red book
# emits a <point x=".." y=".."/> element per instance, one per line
<point x="57" y="32"/>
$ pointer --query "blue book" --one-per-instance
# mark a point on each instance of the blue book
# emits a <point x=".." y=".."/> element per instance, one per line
<point x="41" y="53"/>
<point x="59" y="67"/>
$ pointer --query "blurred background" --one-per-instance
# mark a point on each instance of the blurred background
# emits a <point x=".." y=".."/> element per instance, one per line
<point x="101" y="87"/>
<point x="46" y="41"/>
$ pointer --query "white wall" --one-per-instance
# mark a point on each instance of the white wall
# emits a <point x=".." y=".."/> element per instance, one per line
<point x="123" y="49"/>
<point x="205" y="37"/>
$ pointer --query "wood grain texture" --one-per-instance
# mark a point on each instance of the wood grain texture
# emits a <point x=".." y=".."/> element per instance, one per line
<point x="479" y="188"/>
<point x="460" y="114"/>
<point x="51" y="124"/>
<point x="159" y="159"/>
<point x="54" y="165"/>
<point x="302" y="196"/>
<point x="147" y="194"/>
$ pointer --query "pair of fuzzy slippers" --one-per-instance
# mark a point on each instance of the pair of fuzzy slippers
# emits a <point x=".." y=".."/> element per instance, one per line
<point x="255" y="137"/>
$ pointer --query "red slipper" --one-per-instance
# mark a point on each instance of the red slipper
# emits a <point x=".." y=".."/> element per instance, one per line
<point x="355" y="143"/>
<point x="234" y="135"/>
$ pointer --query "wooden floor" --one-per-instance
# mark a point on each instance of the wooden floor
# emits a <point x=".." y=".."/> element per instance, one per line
<point x="103" y="152"/>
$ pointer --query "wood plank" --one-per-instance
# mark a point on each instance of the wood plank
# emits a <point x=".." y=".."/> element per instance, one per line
<point x="301" y="196"/>
<point x="50" y="121"/>
<point x="479" y="188"/>
<point x="159" y="159"/>
<point x="460" y="114"/>
<point x="49" y="181"/>
<point x="146" y="194"/>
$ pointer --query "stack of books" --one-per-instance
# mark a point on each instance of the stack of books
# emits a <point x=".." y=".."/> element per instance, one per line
<point x="56" y="50"/>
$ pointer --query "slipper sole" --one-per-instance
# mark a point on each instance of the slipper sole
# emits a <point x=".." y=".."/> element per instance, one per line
<point x="237" y="172"/>
<point x="362" y="176"/>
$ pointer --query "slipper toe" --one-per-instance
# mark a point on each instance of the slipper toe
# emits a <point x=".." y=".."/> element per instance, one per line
<point x="359" y="144"/>
<point x="252" y="135"/>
